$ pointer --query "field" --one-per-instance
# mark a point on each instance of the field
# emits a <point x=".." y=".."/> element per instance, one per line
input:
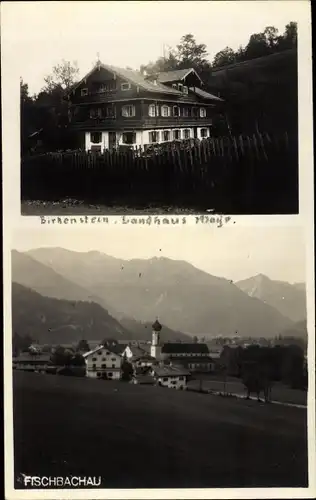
<point x="151" y="437"/>
<point x="280" y="392"/>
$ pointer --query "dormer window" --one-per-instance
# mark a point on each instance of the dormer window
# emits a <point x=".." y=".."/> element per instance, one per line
<point x="126" y="86"/>
<point x="180" y="87"/>
<point x="174" y="85"/>
<point x="84" y="92"/>
<point x="185" y="90"/>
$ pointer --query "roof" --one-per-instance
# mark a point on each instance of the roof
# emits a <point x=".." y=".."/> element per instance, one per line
<point x="138" y="351"/>
<point x="156" y="326"/>
<point x="115" y="349"/>
<point x="170" y="371"/>
<point x="132" y="76"/>
<point x="144" y="379"/>
<point x="205" y="95"/>
<point x="33" y="358"/>
<point x="175" y="75"/>
<point x="145" y="356"/>
<point x="184" y="347"/>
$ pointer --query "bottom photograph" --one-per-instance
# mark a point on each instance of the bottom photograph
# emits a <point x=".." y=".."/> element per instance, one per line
<point x="159" y="357"/>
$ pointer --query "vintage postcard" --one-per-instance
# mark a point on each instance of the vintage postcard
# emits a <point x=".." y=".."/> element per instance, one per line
<point x="159" y="324"/>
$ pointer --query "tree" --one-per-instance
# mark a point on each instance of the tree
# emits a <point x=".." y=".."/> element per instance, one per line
<point x="271" y="34"/>
<point x="64" y="76"/>
<point x="224" y="57"/>
<point x="83" y="346"/>
<point x="195" y="339"/>
<point x="127" y="370"/>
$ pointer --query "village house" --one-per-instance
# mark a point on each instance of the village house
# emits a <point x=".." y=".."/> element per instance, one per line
<point x="32" y="361"/>
<point x="104" y="361"/>
<point x="170" y="376"/>
<point x="112" y="107"/>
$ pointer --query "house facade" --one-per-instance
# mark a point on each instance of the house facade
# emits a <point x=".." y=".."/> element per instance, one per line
<point x="112" y="107"/>
<point x="103" y="362"/>
<point x="33" y="362"/>
<point x="170" y="376"/>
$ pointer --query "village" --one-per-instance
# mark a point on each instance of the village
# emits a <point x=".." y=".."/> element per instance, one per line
<point x="166" y="364"/>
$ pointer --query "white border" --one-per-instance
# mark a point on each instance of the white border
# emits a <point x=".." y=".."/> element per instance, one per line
<point x="12" y="220"/>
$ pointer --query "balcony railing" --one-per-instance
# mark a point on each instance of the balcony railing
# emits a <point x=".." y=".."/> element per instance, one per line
<point x="143" y="122"/>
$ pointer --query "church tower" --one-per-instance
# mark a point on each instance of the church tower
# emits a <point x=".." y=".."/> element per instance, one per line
<point x="155" y="349"/>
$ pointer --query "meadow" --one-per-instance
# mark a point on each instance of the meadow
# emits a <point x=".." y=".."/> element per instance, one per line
<point x="151" y="437"/>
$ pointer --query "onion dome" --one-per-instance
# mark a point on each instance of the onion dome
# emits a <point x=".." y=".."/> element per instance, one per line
<point x="156" y="326"/>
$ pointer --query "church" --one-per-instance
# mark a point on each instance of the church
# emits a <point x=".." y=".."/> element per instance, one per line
<point x="194" y="356"/>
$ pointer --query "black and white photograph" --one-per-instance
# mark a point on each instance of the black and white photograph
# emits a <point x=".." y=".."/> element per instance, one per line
<point x="158" y="107"/>
<point x="173" y="363"/>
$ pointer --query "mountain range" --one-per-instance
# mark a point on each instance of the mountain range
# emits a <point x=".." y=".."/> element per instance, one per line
<point x="289" y="300"/>
<point x="134" y="292"/>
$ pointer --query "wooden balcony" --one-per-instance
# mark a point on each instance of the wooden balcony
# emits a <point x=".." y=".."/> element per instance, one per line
<point x="122" y="123"/>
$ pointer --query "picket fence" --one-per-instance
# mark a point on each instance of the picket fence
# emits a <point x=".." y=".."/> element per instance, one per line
<point x="242" y="174"/>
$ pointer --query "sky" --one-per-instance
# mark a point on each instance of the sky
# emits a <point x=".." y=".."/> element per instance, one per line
<point x="41" y="34"/>
<point x="232" y="251"/>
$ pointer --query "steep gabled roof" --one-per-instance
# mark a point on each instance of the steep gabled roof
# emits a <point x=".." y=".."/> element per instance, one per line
<point x="205" y="95"/>
<point x="115" y="349"/>
<point x="131" y="76"/>
<point x="176" y="75"/>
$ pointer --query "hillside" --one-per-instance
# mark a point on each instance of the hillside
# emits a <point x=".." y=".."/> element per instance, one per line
<point x="289" y="300"/>
<point x="50" y="320"/>
<point x="298" y="330"/>
<point x="45" y="280"/>
<point x="184" y="298"/>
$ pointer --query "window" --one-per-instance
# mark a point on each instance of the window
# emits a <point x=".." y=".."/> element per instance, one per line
<point x="103" y="365"/>
<point x="176" y="135"/>
<point x="194" y="112"/>
<point x="84" y="92"/>
<point x="185" y="112"/>
<point x="110" y="374"/>
<point x="103" y="359"/>
<point x="175" y="110"/>
<point x="152" y="110"/>
<point x="96" y="138"/>
<point x="110" y="111"/>
<point x="99" y="353"/>
<point x="107" y="87"/>
<point x="95" y="113"/>
<point x="166" y="135"/>
<point x="128" y="110"/>
<point x="185" y="90"/>
<point x="186" y="133"/>
<point x="98" y="374"/>
<point x="128" y="138"/>
<point x="165" y="111"/>
<point x="113" y="359"/>
<point x="202" y="112"/>
<point x="153" y="136"/>
<point x="113" y="365"/>
<point x="180" y="87"/>
<point x="181" y="378"/>
<point x="125" y="86"/>
<point x="94" y="359"/>
<point x="203" y="132"/>
<point x="94" y="367"/>
<point x="174" y="85"/>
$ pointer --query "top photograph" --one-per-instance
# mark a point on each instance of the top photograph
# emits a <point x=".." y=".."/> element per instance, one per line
<point x="159" y="108"/>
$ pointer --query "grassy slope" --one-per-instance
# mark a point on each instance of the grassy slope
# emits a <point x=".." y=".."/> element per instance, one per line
<point x="141" y="437"/>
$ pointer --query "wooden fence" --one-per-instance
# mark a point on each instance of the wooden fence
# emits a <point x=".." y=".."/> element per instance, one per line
<point x="244" y="174"/>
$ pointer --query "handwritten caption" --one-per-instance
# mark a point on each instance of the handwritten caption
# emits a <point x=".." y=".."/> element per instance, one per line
<point x="216" y="220"/>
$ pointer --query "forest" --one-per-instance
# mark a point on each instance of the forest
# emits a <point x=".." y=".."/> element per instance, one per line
<point x="258" y="83"/>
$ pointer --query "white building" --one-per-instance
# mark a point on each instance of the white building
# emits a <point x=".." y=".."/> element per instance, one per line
<point x="104" y="362"/>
